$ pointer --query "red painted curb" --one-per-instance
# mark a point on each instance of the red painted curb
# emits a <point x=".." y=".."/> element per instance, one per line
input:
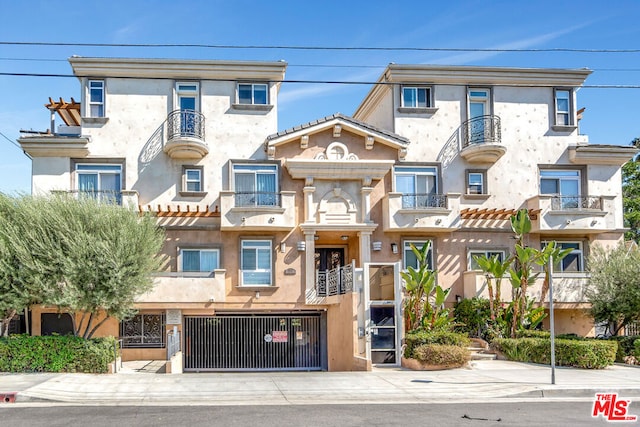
<point x="8" y="397"/>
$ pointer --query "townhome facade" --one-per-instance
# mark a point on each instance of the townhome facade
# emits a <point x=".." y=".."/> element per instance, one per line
<point x="284" y="247"/>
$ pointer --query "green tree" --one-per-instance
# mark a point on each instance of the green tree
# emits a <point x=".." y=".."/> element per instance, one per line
<point x="85" y="257"/>
<point x="15" y="294"/>
<point x="424" y="304"/>
<point x="631" y="195"/>
<point x="522" y="272"/>
<point x="614" y="286"/>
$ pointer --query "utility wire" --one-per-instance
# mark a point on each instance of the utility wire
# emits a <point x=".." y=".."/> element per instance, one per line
<point x="345" y="48"/>
<point x="10" y="140"/>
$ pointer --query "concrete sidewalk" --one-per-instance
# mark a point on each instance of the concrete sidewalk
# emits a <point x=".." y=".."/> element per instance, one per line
<point x="484" y="381"/>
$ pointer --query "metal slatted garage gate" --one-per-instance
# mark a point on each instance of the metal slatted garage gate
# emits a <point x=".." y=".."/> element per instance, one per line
<point x="252" y="342"/>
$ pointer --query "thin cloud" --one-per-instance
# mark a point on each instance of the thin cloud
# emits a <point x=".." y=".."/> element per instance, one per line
<point x="465" y="58"/>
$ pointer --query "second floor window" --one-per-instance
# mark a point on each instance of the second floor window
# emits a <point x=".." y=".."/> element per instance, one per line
<point x="253" y="93"/>
<point x="256" y="185"/>
<point x="564" y="184"/>
<point x="418" y="185"/>
<point x="204" y="260"/>
<point x="96" y="98"/>
<point x="416" y="97"/>
<point x="100" y="181"/>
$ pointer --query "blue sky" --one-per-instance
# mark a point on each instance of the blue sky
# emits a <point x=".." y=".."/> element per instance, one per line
<point x="611" y="115"/>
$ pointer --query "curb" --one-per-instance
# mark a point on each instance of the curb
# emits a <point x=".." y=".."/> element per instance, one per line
<point x="627" y="392"/>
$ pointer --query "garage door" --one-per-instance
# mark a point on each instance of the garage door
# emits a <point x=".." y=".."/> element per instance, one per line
<point x="252" y="342"/>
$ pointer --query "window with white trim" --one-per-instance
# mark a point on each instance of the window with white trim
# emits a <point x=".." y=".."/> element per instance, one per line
<point x="563" y="107"/>
<point x="255" y="263"/>
<point x="476" y="182"/>
<point x="418" y="185"/>
<point x="100" y="181"/>
<point x="473" y="264"/>
<point x="200" y="260"/>
<point x="409" y="258"/>
<point x="96" y="98"/>
<point x="574" y="262"/>
<point x="256" y="185"/>
<point x="253" y="93"/>
<point x="416" y="96"/>
<point x="564" y="184"/>
<point x="192" y="179"/>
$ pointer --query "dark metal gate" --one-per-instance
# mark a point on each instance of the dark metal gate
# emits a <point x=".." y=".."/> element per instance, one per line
<point x="255" y="342"/>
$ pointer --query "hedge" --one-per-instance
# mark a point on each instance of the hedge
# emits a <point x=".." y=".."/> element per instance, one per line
<point x="589" y="354"/>
<point x="24" y="353"/>
<point x="440" y="354"/>
<point x="418" y="338"/>
<point x="625" y="346"/>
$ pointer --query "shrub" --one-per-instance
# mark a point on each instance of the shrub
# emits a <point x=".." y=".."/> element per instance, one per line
<point x="625" y="346"/>
<point x="24" y="353"/>
<point x="589" y="354"/>
<point x="636" y="349"/>
<point x="444" y="355"/>
<point x="472" y="316"/>
<point x="418" y="338"/>
<point x="532" y="333"/>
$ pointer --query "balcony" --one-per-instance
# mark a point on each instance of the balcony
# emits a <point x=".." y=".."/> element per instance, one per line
<point x="568" y="288"/>
<point x="482" y="140"/>
<point x="185" y="135"/>
<point x="184" y="287"/>
<point x="574" y="214"/>
<point x="421" y="212"/>
<point x="337" y="281"/>
<point x="257" y="210"/>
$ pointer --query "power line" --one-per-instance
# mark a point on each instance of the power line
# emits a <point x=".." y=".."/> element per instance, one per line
<point x="10" y="140"/>
<point x="340" y="82"/>
<point x="343" y="48"/>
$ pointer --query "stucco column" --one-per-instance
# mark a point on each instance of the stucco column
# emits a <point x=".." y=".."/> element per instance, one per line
<point x="308" y="203"/>
<point x="366" y="204"/>
<point x="309" y="260"/>
<point x="365" y="247"/>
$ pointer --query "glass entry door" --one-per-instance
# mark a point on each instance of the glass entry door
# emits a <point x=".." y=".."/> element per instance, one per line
<point x="383" y="313"/>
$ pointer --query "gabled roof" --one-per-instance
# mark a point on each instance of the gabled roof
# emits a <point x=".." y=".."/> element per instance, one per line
<point x="346" y="122"/>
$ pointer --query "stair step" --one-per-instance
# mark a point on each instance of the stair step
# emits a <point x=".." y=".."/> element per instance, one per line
<point x="483" y="356"/>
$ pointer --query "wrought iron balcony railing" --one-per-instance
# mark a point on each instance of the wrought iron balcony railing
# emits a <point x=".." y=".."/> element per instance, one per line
<point x="337" y="281"/>
<point x="424" y="201"/>
<point x="185" y="123"/>
<point x="561" y="203"/>
<point x="257" y="198"/>
<point x="481" y="130"/>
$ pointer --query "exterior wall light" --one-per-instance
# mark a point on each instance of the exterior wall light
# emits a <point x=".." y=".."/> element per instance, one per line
<point x="394" y="248"/>
<point x="377" y="246"/>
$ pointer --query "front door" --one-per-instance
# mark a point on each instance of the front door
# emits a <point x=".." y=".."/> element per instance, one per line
<point x="328" y="271"/>
<point x="188" y="105"/>
<point x="478" y="108"/>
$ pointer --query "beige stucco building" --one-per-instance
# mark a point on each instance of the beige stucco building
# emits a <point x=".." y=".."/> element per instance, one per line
<point x="284" y="248"/>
